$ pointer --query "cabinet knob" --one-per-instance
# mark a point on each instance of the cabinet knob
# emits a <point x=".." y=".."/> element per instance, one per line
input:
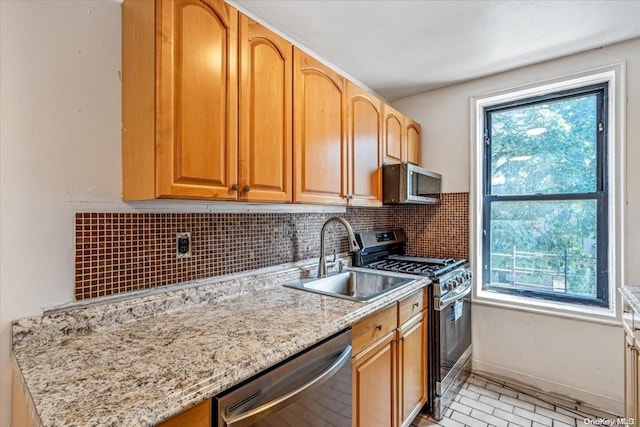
<point x="379" y="327"/>
<point x="246" y="188"/>
<point x="234" y="187"/>
<point x="416" y="304"/>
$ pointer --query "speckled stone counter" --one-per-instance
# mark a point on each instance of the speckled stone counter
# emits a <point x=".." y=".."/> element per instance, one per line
<point x="142" y="361"/>
<point x="631" y="294"/>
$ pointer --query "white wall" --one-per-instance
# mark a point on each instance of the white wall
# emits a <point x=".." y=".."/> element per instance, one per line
<point x="59" y="147"/>
<point x="581" y="359"/>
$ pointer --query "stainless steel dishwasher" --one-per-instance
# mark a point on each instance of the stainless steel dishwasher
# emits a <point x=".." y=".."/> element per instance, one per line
<point x="311" y="389"/>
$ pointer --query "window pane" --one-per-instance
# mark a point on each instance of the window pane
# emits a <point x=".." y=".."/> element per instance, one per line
<point x="544" y="246"/>
<point x="545" y="148"/>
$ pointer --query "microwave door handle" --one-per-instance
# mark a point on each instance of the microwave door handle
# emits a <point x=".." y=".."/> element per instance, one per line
<point x="458" y="294"/>
<point x="249" y="418"/>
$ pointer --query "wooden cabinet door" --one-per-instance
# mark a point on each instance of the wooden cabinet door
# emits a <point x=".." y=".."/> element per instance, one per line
<point x="631" y="378"/>
<point x="196" y="126"/>
<point x="414" y="140"/>
<point x="394" y="143"/>
<point x="364" y="116"/>
<point x="412" y="368"/>
<point x="636" y="382"/>
<point x="198" y="416"/>
<point x="374" y="385"/>
<point x="319" y="132"/>
<point x="266" y="97"/>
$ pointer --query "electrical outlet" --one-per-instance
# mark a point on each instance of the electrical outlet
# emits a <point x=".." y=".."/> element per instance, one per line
<point x="183" y="245"/>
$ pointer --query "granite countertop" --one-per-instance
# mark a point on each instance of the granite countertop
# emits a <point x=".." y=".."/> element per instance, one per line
<point x="142" y="361"/>
<point x="631" y="294"/>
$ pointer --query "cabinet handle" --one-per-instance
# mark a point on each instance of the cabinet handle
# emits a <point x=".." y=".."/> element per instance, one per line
<point x="416" y="304"/>
<point x="379" y="327"/>
<point x="246" y="188"/>
<point x="234" y="187"/>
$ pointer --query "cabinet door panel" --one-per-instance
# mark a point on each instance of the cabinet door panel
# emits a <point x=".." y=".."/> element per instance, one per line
<point x="413" y="141"/>
<point x="319" y="132"/>
<point x="365" y="148"/>
<point x="265" y="114"/>
<point x="374" y="385"/>
<point x="394" y="143"/>
<point x="197" y="152"/>
<point x="412" y="376"/>
<point x="198" y="416"/>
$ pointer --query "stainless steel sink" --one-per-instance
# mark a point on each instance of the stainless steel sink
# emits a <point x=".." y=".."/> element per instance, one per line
<point x="353" y="285"/>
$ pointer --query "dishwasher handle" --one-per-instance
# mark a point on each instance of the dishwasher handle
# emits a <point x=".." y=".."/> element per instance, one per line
<point x="249" y="417"/>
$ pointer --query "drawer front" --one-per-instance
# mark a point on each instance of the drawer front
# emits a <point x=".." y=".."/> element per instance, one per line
<point x="372" y="328"/>
<point x="410" y="306"/>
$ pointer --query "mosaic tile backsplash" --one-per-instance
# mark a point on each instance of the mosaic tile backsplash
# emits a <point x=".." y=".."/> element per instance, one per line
<point x="123" y="252"/>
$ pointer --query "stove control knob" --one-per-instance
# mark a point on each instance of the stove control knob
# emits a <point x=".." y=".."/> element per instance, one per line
<point x="450" y="285"/>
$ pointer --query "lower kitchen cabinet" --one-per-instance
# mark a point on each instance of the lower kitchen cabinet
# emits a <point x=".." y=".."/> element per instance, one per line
<point x="631" y="326"/>
<point x="390" y="364"/>
<point x="631" y="378"/>
<point x="374" y="384"/>
<point x="198" y="416"/>
<point x="412" y="369"/>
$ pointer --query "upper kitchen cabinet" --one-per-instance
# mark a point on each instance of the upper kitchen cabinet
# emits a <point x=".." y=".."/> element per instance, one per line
<point x="179" y="90"/>
<point x="401" y="138"/>
<point x="414" y="140"/>
<point x="364" y="117"/>
<point x="265" y="131"/>
<point x="319" y="132"/>
<point x="393" y="138"/>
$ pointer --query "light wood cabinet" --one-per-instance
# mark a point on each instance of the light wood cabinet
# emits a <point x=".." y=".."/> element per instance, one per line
<point x="631" y="364"/>
<point x="412" y="368"/>
<point x="198" y="416"/>
<point x="212" y="103"/>
<point x="265" y="131"/>
<point x="374" y="384"/>
<point x="402" y="138"/>
<point x="393" y="136"/>
<point x="319" y="132"/>
<point x="20" y="413"/>
<point x="364" y="117"/>
<point x="390" y="364"/>
<point x="179" y="88"/>
<point x="413" y="132"/>
<point x="184" y="135"/>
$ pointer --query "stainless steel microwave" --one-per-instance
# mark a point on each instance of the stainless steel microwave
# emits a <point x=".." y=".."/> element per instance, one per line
<point x="407" y="183"/>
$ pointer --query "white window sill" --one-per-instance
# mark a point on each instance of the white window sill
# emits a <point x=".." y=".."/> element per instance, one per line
<point x="600" y="315"/>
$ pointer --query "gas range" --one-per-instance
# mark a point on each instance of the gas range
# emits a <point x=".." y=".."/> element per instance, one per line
<point x="385" y="250"/>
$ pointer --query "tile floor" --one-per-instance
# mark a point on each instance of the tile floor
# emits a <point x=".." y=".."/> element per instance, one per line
<point x="484" y="402"/>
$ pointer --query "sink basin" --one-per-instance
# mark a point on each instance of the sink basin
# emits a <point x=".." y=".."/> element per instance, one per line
<point x="353" y="285"/>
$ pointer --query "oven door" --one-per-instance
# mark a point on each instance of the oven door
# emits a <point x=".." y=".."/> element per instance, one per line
<point x="452" y="333"/>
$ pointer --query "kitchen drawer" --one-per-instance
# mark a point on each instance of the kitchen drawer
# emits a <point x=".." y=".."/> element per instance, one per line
<point x="372" y="328"/>
<point x="410" y="306"/>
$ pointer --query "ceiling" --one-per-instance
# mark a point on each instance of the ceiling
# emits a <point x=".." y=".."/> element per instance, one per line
<point x="404" y="47"/>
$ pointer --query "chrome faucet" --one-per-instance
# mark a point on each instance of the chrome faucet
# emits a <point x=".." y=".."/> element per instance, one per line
<point x="353" y="245"/>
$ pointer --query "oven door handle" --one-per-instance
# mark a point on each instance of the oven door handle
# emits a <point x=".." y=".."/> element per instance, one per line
<point x="250" y="417"/>
<point x="457" y="294"/>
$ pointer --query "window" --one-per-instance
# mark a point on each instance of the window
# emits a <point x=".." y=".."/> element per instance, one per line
<point x="545" y="197"/>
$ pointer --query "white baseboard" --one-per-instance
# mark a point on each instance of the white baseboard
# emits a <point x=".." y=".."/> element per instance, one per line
<point x="598" y="401"/>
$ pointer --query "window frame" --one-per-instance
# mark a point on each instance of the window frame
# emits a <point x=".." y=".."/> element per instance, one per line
<point x="615" y="75"/>
<point x="600" y="195"/>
